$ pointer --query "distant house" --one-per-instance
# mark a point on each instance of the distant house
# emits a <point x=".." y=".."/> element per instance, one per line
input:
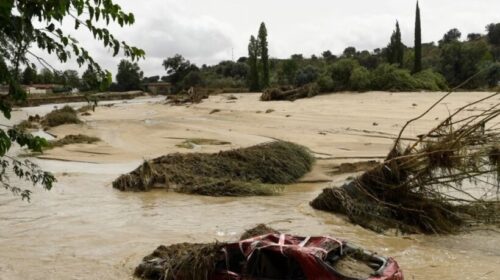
<point x="40" y="88"/>
<point x="159" y="88"/>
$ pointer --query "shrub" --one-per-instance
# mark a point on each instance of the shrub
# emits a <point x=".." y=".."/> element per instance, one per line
<point x="341" y="73"/>
<point x="389" y="77"/>
<point x="430" y="80"/>
<point x="306" y="75"/>
<point x="325" y="83"/>
<point x="360" y="79"/>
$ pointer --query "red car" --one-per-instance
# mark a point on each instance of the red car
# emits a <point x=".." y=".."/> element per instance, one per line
<point x="280" y="256"/>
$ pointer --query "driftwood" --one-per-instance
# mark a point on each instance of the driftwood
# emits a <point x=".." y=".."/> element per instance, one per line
<point x="442" y="182"/>
<point x="192" y="96"/>
<point x="286" y="93"/>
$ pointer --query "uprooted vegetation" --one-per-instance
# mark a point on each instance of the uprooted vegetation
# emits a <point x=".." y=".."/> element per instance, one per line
<point x="264" y="253"/>
<point x="65" y="115"/>
<point x="260" y="229"/>
<point x="193" y="142"/>
<point x="289" y="94"/>
<point x="257" y="170"/>
<point x="441" y="183"/>
<point x="72" y="139"/>
<point x="187" y="97"/>
<point x="192" y="261"/>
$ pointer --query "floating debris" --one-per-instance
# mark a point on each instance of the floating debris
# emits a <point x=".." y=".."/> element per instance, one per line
<point x="257" y="170"/>
<point x="268" y="256"/>
<point x="426" y="186"/>
<point x="290" y="94"/>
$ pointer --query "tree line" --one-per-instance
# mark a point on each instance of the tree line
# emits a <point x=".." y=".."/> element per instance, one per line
<point x="425" y="66"/>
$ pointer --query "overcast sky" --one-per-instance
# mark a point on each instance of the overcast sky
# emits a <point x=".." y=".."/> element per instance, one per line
<point x="208" y="31"/>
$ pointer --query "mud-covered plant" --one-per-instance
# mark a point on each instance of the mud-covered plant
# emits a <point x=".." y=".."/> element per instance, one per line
<point x="257" y="170"/>
<point x="442" y="182"/>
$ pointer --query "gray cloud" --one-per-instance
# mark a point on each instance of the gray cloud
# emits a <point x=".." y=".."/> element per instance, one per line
<point x="207" y="31"/>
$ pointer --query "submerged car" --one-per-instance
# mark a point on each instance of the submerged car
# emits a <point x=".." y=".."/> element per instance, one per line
<point x="281" y="256"/>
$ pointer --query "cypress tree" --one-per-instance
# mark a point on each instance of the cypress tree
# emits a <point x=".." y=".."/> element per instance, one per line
<point x="264" y="54"/>
<point x="400" y="51"/>
<point x="253" y="54"/>
<point x="418" y="42"/>
<point x="395" y="49"/>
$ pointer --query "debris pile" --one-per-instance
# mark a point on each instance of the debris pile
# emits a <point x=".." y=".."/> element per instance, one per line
<point x="289" y="94"/>
<point x="442" y="182"/>
<point x="65" y="115"/>
<point x="73" y="139"/>
<point x="181" y="261"/>
<point x="257" y="170"/>
<point x="264" y="253"/>
<point x="191" y="96"/>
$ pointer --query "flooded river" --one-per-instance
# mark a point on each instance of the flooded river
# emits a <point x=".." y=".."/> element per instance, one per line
<point x="84" y="229"/>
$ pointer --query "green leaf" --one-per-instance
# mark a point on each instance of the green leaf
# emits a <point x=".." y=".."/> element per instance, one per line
<point x="51" y="27"/>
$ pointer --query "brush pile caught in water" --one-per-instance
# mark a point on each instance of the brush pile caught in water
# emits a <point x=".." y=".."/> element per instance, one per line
<point x="442" y="182"/>
<point x="188" y="260"/>
<point x="289" y="94"/>
<point x="242" y="172"/>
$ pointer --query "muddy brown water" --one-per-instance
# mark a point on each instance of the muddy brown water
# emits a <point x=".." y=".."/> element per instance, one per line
<point x="84" y="229"/>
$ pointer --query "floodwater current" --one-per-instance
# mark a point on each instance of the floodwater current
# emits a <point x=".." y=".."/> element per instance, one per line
<point x="85" y="229"/>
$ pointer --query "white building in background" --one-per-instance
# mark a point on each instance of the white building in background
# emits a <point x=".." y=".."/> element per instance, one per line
<point x="39" y="89"/>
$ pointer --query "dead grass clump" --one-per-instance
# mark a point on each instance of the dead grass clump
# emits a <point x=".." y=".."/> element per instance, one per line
<point x="73" y="139"/>
<point x="258" y="230"/>
<point x="65" y="115"/>
<point x="257" y="170"/>
<point x="439" y="183"/>
<point x="181" y="261"/>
